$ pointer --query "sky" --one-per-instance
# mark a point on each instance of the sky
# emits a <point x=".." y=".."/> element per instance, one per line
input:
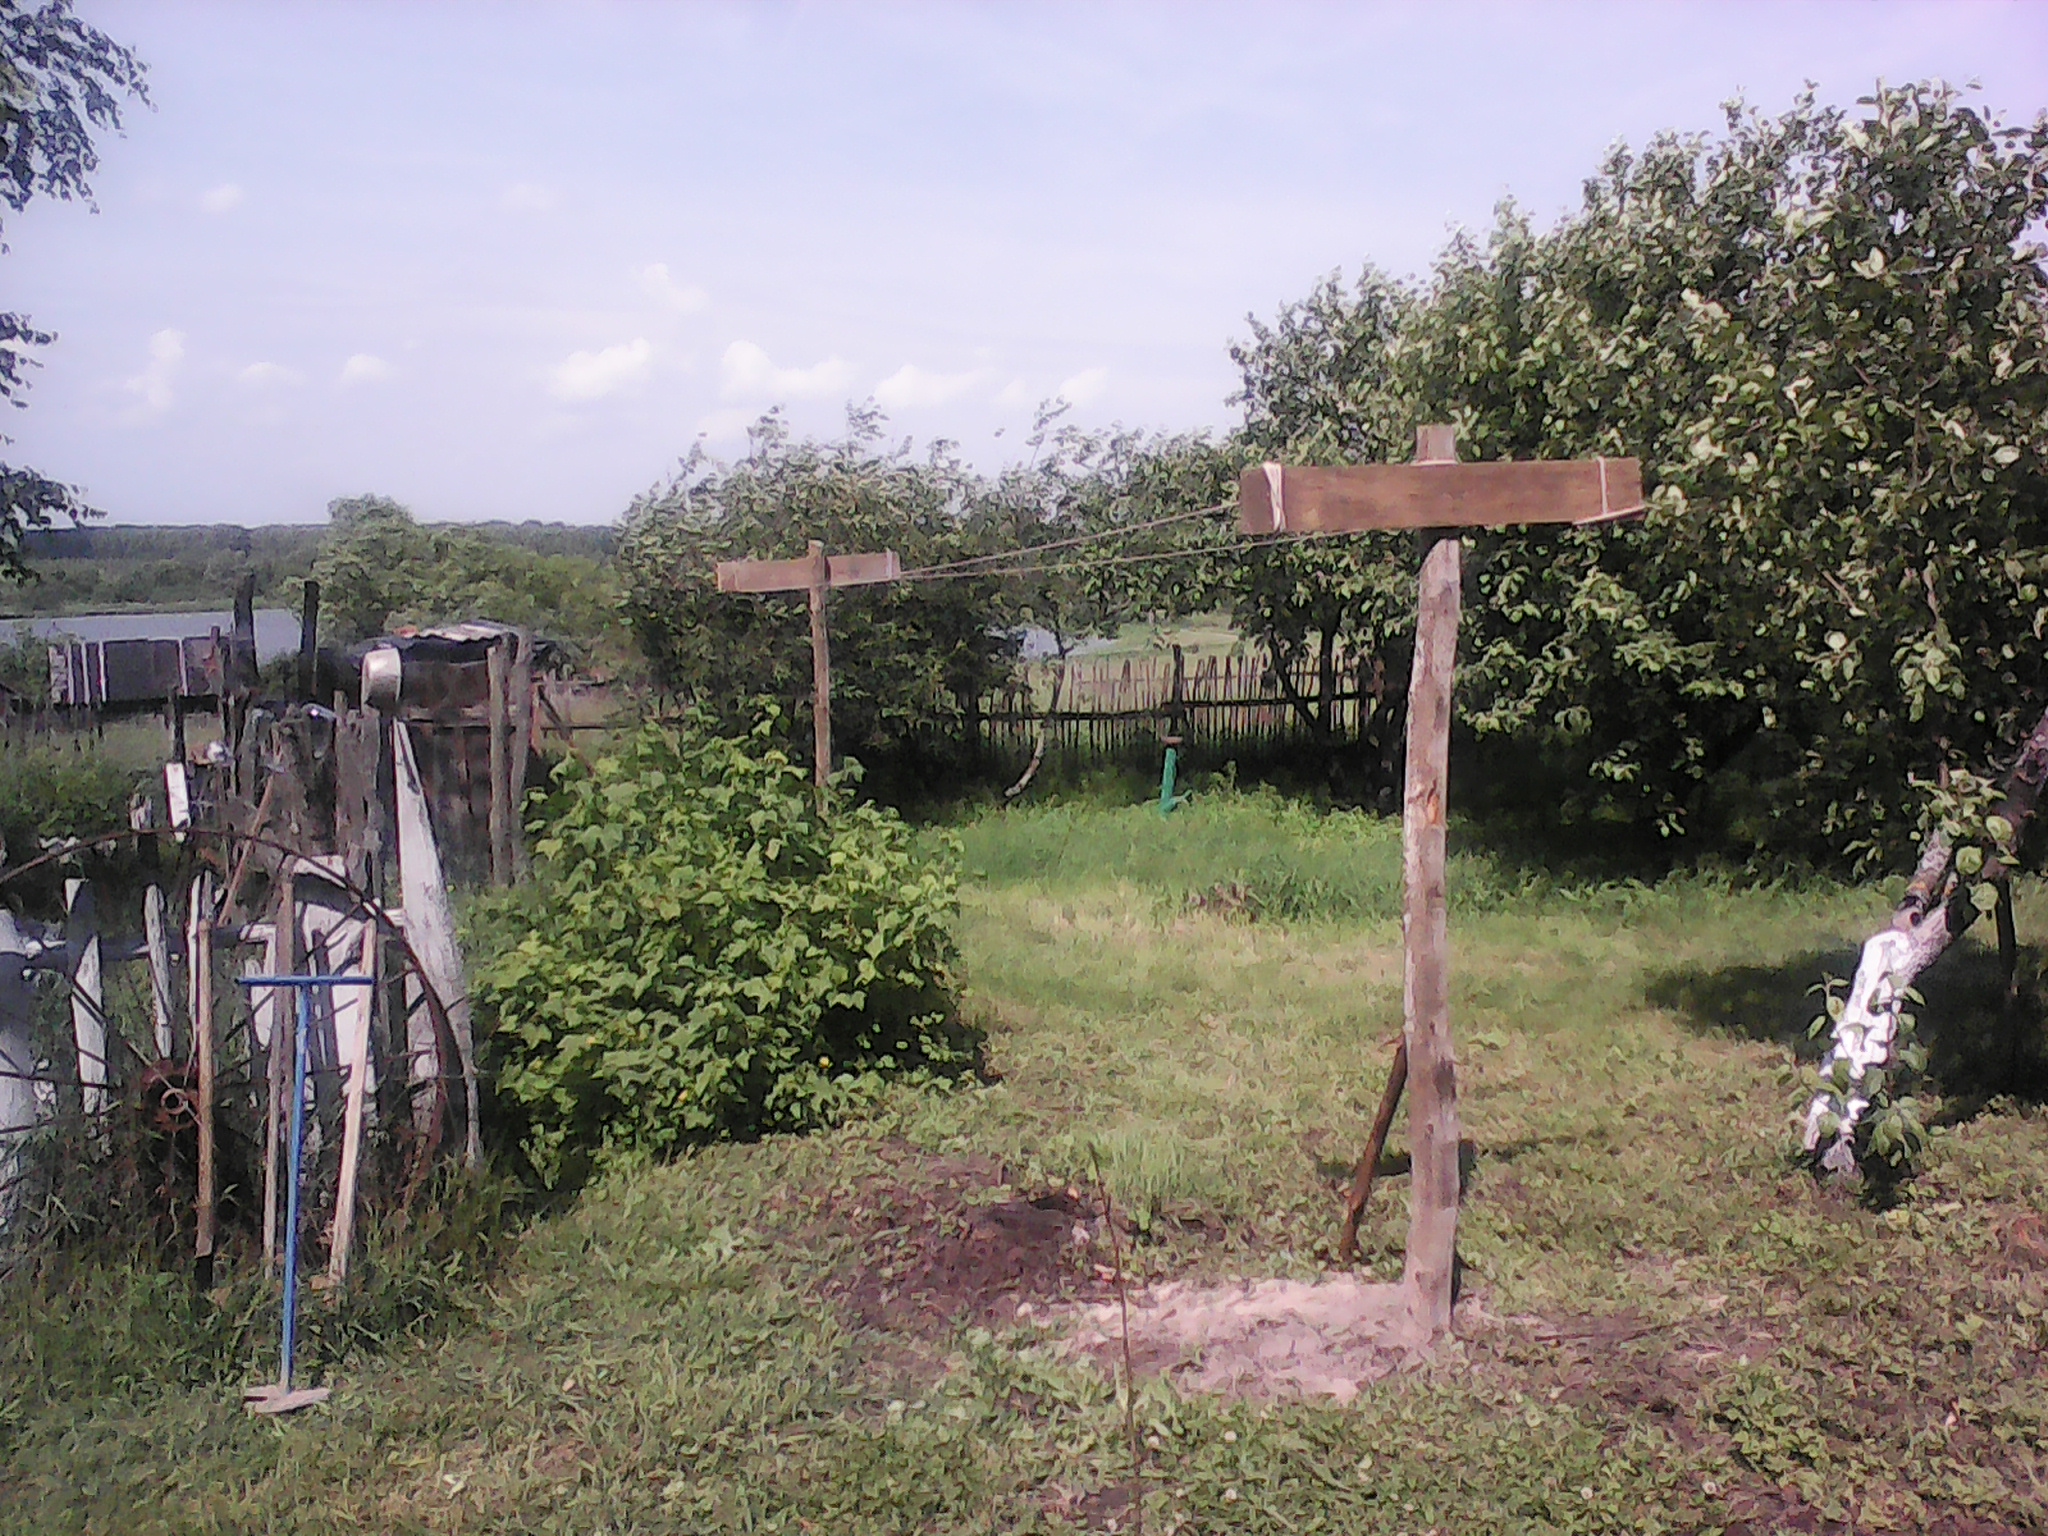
<point x="514" y="260"/>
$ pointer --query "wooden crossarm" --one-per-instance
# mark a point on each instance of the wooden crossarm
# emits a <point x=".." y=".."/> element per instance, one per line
<point x="799" y="575"/>
<point x="1276" y="499"/>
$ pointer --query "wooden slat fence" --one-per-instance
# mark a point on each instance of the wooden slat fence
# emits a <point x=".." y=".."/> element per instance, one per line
<point x="1113" y="706"/>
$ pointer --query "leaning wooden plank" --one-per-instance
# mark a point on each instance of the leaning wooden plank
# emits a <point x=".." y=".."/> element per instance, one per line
<point x="157" y="939"/>
<point x="1273" y="499"/>
<point x="88" y="997"/>
<point x="430" y="927"/>
<point x="352" y="1048"/>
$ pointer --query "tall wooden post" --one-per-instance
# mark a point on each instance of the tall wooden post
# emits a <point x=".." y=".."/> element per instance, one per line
<point x="821" y="671"/>
<point x="1436" y="496"/>
<point x="1425" y="923"/>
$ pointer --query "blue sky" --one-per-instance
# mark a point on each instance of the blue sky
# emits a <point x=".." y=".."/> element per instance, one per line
<point x="513" y="260"/>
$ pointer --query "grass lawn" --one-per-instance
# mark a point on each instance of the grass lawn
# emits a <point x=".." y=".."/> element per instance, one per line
<point x="1667" y="1325"/>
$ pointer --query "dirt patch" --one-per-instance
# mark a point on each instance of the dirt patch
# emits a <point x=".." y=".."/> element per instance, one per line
<point x="924" y="1257"/>
<point x="1769" y="1514"/>
<point x="1258" y="1339"/>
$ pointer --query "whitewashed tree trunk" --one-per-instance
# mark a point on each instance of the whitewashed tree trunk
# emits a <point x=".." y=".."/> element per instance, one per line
<point x="1936" y="911"/>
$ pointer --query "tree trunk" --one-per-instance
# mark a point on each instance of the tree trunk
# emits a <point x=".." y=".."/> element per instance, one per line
<point x="1922" y="928"/>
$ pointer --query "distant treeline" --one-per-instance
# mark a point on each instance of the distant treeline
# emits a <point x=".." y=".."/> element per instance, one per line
<point x="109" y="567"/>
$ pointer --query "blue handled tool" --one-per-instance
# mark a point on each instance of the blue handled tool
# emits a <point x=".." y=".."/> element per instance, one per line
<point x="279" y="1396"/>
<point x="1169" y="801"/>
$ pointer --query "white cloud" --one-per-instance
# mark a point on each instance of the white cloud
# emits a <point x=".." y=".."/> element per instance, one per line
<point x="266" y="375"/>
<point x="1083" y="386"/>
<point x="750" y="374"/>
<point x="593" y="375"/>
<point x="529" y="197"/>
<point x="911" y="386"/>
<point x="683" y="298"/>
<point x="222" y="198"/>
<point x="726" y="426"/>
<point x="1014" y="396"/>
<point x="152" y="386"/>
<point x="364" y="368"/>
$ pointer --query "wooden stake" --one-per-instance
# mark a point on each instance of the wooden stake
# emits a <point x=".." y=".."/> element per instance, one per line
<point x="1375" y="1143"/>
<point x="821" y="672"/>
<point x="199" y="950"/>
<point x="1425" y="925"/>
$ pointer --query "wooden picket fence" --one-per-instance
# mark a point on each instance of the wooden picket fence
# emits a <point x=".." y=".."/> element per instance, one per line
<point x="1113" y="706"/>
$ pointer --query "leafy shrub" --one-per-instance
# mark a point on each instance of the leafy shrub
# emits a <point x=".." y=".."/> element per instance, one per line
<point x="58" y="790"/>
<point x="711" y="958"/>
<point x="25" y="665"/>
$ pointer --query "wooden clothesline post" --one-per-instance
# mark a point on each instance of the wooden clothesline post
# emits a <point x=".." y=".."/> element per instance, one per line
<point x="815" y="574"/>
<point x="1435" y="496"/>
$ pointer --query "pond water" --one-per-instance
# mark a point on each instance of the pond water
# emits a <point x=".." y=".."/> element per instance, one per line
<point x="277" y="629"/>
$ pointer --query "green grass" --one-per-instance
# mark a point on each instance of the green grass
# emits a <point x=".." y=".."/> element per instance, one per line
<point x="1685" y="1333"/>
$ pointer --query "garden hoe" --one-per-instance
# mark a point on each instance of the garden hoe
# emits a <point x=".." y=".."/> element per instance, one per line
<point x="280" y="1396"/>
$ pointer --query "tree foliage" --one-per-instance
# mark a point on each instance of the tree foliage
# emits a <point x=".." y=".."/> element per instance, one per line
<point x="61" y="81"/>
<point x="909" y="659"/>
<point x="378" y="569"/>
<point x="1826" y="336"/>
<point x="712" y="958"/>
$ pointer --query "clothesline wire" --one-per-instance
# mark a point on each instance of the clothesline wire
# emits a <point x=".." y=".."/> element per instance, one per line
<point x="1099" y="561"/>
<point x="962" y="565"/>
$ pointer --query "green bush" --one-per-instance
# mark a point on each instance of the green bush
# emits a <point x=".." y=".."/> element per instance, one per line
<point x="58" y="790"/>
<point x="711" y="959"/>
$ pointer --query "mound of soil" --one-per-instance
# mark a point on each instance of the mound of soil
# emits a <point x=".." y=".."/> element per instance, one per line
<point x="1260" y="1339"/>
<point x="926" y="1259"/>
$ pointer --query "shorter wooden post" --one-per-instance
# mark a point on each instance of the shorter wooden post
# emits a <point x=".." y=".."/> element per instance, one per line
<point x="821" y="672"/>
<point x="309" y="639"/>
<point x="520" y="745"/>
<point x="501" y="778"/>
